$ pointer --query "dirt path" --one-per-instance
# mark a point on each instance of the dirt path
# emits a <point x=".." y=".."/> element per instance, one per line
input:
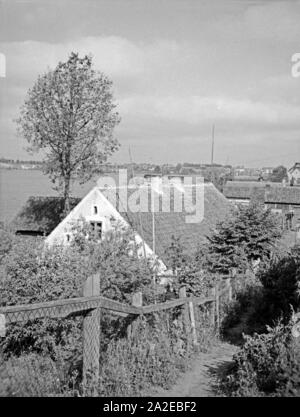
<point x="201" y="380"/>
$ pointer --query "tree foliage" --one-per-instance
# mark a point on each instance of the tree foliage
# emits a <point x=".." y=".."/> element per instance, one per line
<point x="267" y="365"/>
<point x="32" y="273"/>
<point x="279" y="174"/>
<point x="190" y="270"/>
<point x="174" y="253"/>
<point x="70" y="115"/>
<point x="249" y="234"/>
<point x="281" y="282"/>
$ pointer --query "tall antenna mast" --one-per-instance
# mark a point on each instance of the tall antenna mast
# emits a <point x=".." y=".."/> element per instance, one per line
<point x="140" y="217"/>
<point x="212" y="144"/>
<point x="153" y="220"/>
<point x="131" y="163"/>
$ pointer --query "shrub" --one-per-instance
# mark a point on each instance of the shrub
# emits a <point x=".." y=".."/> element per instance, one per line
<point x="281" y="282"/>
<point x="272" y="295"/>
<point x="240" y="315"/>
<point x="155" y="353"/>
<point x="122" y="271"/>
<point x="33" y="274"/>
<point x="267" y="365"/>
<point x="249" y="234"/>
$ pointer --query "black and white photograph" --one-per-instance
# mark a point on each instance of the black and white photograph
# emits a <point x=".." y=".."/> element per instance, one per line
<point x="149" y="202"/>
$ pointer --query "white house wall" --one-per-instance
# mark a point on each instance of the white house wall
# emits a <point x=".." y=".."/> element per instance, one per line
<point x="294" y="173"/>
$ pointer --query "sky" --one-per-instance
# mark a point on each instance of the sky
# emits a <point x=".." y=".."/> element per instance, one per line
<point x="177" y="66"/>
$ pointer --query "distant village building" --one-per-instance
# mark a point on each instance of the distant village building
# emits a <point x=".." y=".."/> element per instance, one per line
<point x="241" y="171"/>
<point x="284" y="200"/>
<point x="99" y="210"/>
<point x="294" y="174"/>
<point x="267" y="170"/>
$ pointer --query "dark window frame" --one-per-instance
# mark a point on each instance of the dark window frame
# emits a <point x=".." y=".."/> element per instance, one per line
<point x="97" y="228"/>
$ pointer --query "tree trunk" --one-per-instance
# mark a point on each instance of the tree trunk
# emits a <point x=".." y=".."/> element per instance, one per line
<point x="66" y="196"/>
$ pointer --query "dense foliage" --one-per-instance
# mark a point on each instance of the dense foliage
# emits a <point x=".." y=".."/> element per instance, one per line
<point x="32" y="273"/>
<point x="152" y="354"/>
<point x="70" y="115"/>
<point x="267" y="365"/>
<point x="281" y="282"/>
<point x="271" y="296"/>
<point x="279" y="174"/>
<point x="269" y="360"/>
<point x="190" y="271"/>
<point x="248" y="235"/>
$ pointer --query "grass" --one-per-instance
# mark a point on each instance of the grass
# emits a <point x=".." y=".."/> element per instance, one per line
<point x="154" y="355"/>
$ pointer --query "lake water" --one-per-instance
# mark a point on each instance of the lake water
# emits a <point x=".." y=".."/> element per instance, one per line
<point x="17" y="185"/>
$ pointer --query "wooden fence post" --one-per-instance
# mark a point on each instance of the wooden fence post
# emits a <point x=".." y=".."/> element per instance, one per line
<point x="137" y="301"/>
<point x="185" y="314"/>
<point x="91" y="337"/>
<point x="193" y="323"/>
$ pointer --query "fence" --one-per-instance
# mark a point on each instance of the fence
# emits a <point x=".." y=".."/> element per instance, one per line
<point x="90" y="305"/>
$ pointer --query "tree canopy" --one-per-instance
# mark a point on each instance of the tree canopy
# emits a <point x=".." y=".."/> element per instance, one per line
<point x="279" y="174"/>
<point x="70" y="115"/>
<point x="249" y="234"/>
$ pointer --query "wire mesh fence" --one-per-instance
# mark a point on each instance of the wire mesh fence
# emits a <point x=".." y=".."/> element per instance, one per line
<point x="56" y="347"/>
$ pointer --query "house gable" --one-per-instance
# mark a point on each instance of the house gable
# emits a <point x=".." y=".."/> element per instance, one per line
<point x="166" y="224"/>
<point x="95" y="207"/>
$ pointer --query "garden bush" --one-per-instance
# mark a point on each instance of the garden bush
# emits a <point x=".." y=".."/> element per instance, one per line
<point x="153" y="355"/>
<point x="281" y="282"/>
<point x="267" y="365"/>
<point x="249" y="234"/>
<point x="269" y="297"/>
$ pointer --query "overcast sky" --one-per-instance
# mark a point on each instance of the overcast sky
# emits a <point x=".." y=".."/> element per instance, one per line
<point x="177" y="66"/>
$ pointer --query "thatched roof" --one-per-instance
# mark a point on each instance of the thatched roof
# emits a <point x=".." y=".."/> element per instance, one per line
<point x="44" y="214"/>
<point x="168" y="224"/>
<point x="241" y="189"/>
<point x="40" y="215"/>
<point x="283" y="195"/>
<point x="274" y="193"/>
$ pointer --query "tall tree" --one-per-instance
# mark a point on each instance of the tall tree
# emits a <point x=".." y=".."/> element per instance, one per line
<point x="249" y="234"/>
<point x="69" y="114"/>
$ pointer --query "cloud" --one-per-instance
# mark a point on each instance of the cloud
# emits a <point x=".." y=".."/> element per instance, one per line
<point x="273" y="21"/>
<point x="197" y="110"/>
<point x="116" y="56"/>
<point x="175" y="88"/>
<point x="276" y="21"/>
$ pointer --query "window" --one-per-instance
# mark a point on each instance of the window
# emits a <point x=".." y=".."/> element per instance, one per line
<point x="95" y="210"/>
<point x="96" y="229"/>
